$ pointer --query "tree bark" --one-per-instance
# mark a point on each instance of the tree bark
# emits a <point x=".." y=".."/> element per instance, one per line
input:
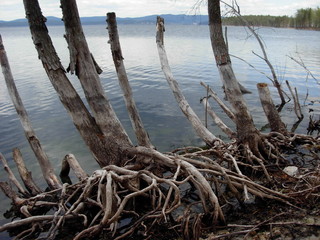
<point x="69" y="161"/>
<point x="270" y="109"/>
<point x="141" y="134"/>
<point x="246" y="131"/>
<point x="11" y="176"/>
<point x="84" y="122"/>
<point x="8" y="191"/>
<point x="26" y="176"/>
<point x="217" y="120"/>
<point x="81" y="60"/>
<point x="265" y="56"/>
<point x="224" y="107"/>
<point x="47" y="170"/>
<point x="198" y="126"/>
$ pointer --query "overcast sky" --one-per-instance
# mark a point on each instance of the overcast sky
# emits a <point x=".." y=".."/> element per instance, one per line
<point x="13" y="9"/>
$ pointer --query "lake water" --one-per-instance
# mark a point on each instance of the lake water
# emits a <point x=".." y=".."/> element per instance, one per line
<point x="191" y="58"/>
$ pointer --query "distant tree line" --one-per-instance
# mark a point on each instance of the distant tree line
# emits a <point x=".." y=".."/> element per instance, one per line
<point x="304" y="18"/>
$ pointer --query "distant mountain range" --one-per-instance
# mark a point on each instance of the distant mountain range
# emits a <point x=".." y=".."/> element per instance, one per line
<point x="168" y="18"/>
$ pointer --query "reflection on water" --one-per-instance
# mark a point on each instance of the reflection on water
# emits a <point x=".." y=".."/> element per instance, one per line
<point x="190" y="55"/>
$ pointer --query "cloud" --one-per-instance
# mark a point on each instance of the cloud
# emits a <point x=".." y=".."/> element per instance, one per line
<point x="13" y="9"/>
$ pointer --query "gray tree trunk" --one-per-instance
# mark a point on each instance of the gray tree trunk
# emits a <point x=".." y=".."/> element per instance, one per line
<point x="83" y="121"/>
<point x="270" y="110"/>
<point x="46" y="168"/>
<point x="141" y="134"/>
<point x="196" y="123"/>
<point x="246" y="131"/>
<point x="82" y="63"/>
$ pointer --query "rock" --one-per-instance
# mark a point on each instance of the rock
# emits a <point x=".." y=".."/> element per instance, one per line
<point x="310" y="220"/>
<point x="292" y="171"/>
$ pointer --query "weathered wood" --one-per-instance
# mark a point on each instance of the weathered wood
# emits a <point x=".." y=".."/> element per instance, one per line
<point x="83" y="121"/>
<point x="11" y="176"/>
<point x="33" y="220"/>
<point x="69" y="161"/>
<point x="246" y="131"/>
<point x="205" y="190"/>
<point x="270" y="110"/>
<point x="47" y="170"/>
<point x="141" y="134"/>
<point x="198" y="126"/>
<point x="80" y="58"/>
<point x="223" y="106"/>
<point x="8" y="191"/>
<point x="297" y="107"/>
<point x="218" y="120"/>
<point x="25" y="175"/>
<point x="265" y="56"/>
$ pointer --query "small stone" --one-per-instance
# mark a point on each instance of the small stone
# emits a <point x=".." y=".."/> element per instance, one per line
<point x="276" y="232"/>
<point x="310" y="220"/>
<point x="291" y="171"/>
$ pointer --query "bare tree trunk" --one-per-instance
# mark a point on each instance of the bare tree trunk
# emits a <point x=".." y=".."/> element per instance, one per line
<point x="11" y="176"/>
<point x="270" y="109"/>
<point x="246" y="131"/>
<point x="81" y="118"/>
<point x="26" y="176"/>
<point x="141" y="134"/>
<point x="84" y="67"/>
<point x="42" y="157"/>
<point x="265" y="56"/>
<point x="69" y="161"/>
<point x="8" y="191"/>
<point x="198" y="126"/>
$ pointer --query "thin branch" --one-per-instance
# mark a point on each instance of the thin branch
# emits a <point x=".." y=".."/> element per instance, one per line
<point x="265" y="58"/>
<point x="301" y="63"/>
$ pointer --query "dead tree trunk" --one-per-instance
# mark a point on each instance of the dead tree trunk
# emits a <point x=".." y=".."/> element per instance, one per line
<point x="25" y="174"/>
<point x="83" y="121"/>
<point x="141" y="134"/>
<point x="265" y="56"/>
<point x="246" y="131"/>
<point x="82" y="63"/>
<point x="196" y="123"/>
<point x="270" y="110"/>
<point x="42" y="157"/>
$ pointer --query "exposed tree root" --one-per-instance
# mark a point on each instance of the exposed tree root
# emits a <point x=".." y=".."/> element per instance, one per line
<point x="186" y="189"/>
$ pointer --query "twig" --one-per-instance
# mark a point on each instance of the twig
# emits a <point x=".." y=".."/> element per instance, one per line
<point x="265" y="58"/>
<point x="297" y="107"/>
<point x="301" y="63"/>
<point x="224" y="107"/>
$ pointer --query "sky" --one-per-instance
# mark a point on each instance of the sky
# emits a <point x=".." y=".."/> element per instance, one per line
<point x="13" y="9"/>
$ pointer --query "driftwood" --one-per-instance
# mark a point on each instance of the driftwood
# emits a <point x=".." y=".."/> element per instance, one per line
<point x="138" y="188"/>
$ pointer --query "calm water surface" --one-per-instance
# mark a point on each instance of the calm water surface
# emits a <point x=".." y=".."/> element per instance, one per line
<point x="190" y="55"/>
